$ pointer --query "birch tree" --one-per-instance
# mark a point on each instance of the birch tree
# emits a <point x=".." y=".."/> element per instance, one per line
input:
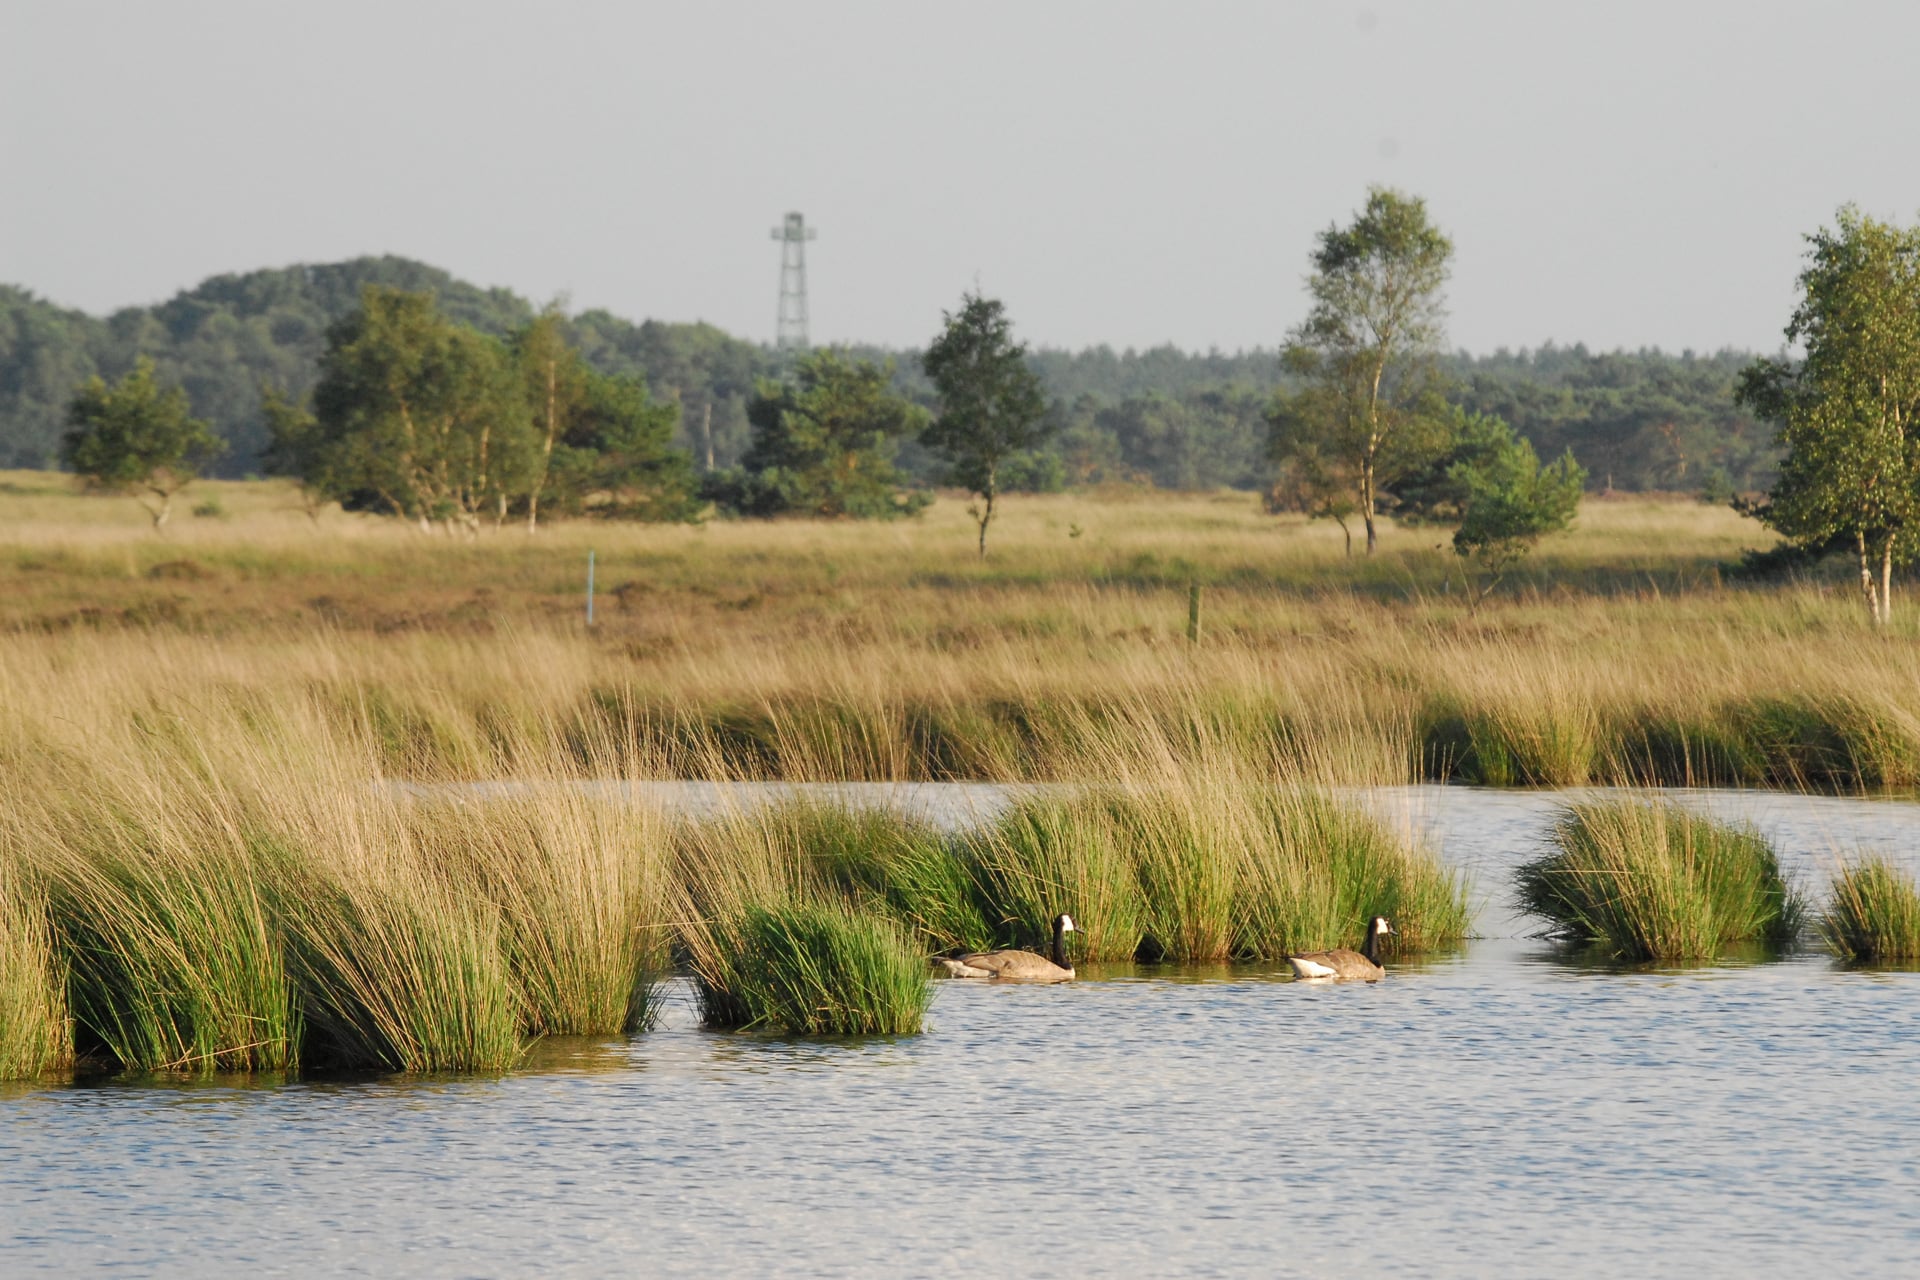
<point x="1368" y="345"/>
<point x="1849" y="411"/>
<point x="425" y="415"/>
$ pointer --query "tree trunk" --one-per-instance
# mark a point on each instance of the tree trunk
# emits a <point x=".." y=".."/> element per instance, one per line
<point x="1366" y="502"/>
<point x="1886" y="582"/>
<point x="1867" y="587"/>
<point x="986" y="510"/>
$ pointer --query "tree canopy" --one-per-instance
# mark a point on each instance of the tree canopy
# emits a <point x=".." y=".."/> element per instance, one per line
<point x="992" y="406"/>
<point x="823" y="444"/>
<point x="1368" y="347"/>
<point x="429" y="419"/>
<point x="1849" y="412"/>
<point x="137" y="437"/>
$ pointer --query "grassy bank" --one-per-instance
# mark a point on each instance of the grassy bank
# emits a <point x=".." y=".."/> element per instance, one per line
<point x="1651" y="881"/>
<point x="817" y="650"/>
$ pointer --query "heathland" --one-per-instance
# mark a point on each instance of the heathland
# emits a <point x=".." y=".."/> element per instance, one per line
<point x="1621" y="651"/>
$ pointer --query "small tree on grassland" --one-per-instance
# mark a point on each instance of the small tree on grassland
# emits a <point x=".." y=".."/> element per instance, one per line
<point x="137" y="437"/>
<point x="991" y="404"/>
<point x="1507" y="502"/>
<point x="1849" y="413"/>
<point x="1367" y="348"/>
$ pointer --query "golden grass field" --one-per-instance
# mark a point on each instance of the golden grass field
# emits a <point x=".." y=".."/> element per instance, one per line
<point x="841" y="649"/>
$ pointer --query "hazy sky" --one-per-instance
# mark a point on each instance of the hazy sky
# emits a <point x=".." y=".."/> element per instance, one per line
<point x="1625" y="174"/>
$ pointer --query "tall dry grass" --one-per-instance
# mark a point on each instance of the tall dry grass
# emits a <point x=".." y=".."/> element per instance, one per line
<point x="36" y="1035"/>
<point x="816" y="650"/>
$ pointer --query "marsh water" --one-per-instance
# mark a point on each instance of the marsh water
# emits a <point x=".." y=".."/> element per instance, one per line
<point x="1508" y="1109"/>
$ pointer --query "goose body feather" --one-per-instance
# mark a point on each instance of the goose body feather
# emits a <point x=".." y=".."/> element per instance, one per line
<point x="1008" y="966"/>
<point x="1014" y="965"/>
<point x="1343" y="964"/>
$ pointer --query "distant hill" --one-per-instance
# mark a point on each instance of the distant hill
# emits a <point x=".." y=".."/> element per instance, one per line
<point x="232" y="335"/>
<point x="1636" y="420"/>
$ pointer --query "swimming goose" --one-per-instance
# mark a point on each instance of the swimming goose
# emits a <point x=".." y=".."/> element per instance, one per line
<point x="1342" y="964"/>
<point x="1015" y="966"/>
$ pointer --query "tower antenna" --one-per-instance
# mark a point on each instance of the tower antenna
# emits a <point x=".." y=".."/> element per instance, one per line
<point x="790" y="334"/>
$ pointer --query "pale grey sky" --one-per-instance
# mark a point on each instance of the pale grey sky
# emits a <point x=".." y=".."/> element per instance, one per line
<point x="1625" y="174"/>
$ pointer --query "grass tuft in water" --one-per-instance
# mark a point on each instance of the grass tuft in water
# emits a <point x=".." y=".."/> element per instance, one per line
<point x="1068" y="853"/>
<point x="401" y="972"/>
<point x="579" y="886"/>
<point x="171" y="933"/>
<point x="1653" y="882"/>
<point x="1209" y="867"/>
<point x="814" y="969"/>
<point x="1314" y="870"/>
<point x="1875" y="913"/>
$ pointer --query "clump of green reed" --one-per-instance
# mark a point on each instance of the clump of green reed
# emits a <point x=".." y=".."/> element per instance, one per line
<point x="167" y="922"/>
<point x="579" y="885"/>
<point x="396" y="969"/>
<point x="1651" y="881"/>
<point x="1070" y="852"/>
<point x="1875" y="913"/>
<point x="35" y="1033"/>
<point x="1509" y="742"/>
<point x="819" y="968"/>
<point x="1313" y="870"/>
<point x="803" y="848"/>
<point x="888" y="861"/>
<point x="1183" y="853"/>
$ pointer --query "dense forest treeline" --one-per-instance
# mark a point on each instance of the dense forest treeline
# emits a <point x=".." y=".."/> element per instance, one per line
<point x="1636" y="420"/>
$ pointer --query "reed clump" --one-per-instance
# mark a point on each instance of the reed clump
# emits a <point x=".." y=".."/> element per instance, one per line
<point x="167" y="925"/>
<point x="814" y="968"/>
<point x="1063" y="853"/>
<point x="805" y="917"/>
<point x="579" y="886"/>
<point x="1314" y="870"/>
<point x="1650" y="881"/>
<point x="1874" y="913"/>
<point x="1210" y="868"/>
<point x="398" y="972"/>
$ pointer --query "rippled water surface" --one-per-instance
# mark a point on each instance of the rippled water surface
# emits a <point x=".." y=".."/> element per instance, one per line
<point x="1506" y="1110"/>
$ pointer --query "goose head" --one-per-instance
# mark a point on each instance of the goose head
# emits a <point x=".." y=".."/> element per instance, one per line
<point x="1062" y="926"/>
<point x="1380" y="928"/>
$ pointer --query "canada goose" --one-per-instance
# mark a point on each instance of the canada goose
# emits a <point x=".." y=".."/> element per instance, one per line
<point x="1343" y="965"/>
<point x="1015" y="966"/>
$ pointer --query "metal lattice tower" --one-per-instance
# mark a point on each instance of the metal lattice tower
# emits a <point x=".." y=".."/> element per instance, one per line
<point x="791" y="332"/>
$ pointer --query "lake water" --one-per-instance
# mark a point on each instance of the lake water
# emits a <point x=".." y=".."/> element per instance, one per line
<point x="1502" y="1111"/>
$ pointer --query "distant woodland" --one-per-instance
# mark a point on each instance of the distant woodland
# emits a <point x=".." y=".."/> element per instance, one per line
<point x="1636" y="421"/>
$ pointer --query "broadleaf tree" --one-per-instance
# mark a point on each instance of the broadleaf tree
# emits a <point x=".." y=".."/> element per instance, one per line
<point x="1367" y="350"/>
<point x="1506" y="501"/>
<point x="137" y="437"/>
<point x="425" y="417"/>
<point x="992" y="407"/>
<point x="1849" y="412"/>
